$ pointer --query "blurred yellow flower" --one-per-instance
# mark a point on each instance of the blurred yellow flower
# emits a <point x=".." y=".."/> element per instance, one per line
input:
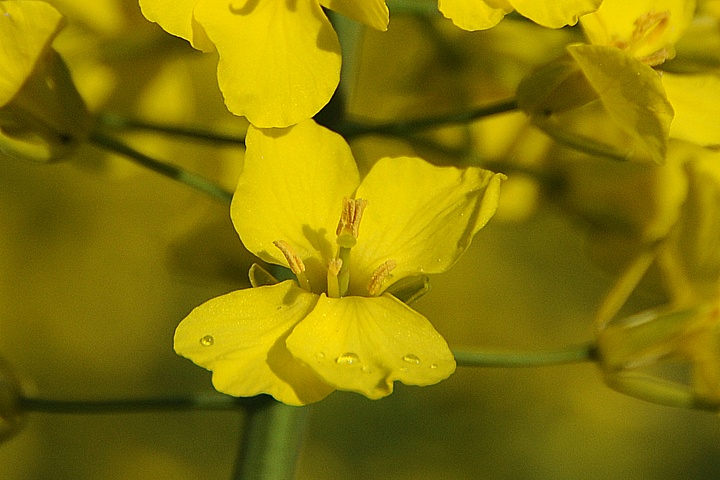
<point x="484" y="14"/>
<point x="337" y="327"/>
<point x="645" y="29"/>
<point x="279" y="60"/>
<point x="41" y="113"/>
<point x="686" y="328"/>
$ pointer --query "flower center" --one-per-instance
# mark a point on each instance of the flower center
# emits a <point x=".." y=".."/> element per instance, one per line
<point x="338" y="269"/>
<point x="648" y="29"/>
<point x="338" y="274"/>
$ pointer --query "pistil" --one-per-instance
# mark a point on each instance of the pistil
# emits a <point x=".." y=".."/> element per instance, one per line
<point x="347" y="232"/>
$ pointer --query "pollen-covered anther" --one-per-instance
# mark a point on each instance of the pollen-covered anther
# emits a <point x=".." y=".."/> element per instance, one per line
<point x="333" y="283"/>
<point x="294" y="262"/>
<point x="350" y="216"/>
<point x="380" y="275"/>
<point x="649" y="25"/>
<point x="657" y="58"/>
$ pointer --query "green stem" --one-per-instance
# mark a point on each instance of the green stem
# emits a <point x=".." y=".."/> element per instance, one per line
<point x="351" y="130"/>
<point x="183" y="402"/>
<point x="271" y="442"/>
<point x="124" y="123"/>
<point x="171" y="171"/>
<point x="575" y="354"/>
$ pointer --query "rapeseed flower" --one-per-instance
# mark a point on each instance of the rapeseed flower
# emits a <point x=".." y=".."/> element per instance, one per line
<point x="300" y="203"/>
<point x="42" y="116"/>
<point x="279" y="59"/>
<point x="484" y="14"/>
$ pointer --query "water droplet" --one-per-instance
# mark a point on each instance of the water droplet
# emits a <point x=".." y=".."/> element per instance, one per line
<point x="433" y="366"/>
<point x="320" y="355"/>
<point x="366" y="369"/>
<point x="347" y="359"/>
<point x="411" y="359"/>
<point x="207" y="340"/>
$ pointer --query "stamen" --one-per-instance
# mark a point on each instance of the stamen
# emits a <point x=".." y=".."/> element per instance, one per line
<point x="334" y="267"/>
<point x="380" y="275"/>
<point x="648" y="28"/>
<point x="650" y="25"/>
<point x="349" y="225"/>
<point x="294" y="262"/>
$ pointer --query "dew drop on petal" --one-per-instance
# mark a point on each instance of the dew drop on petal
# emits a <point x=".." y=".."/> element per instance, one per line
<point x="207" y="340"/>
<point x="366" y="369"/>
<point x="411" y="359"/>
<point x="347" y="359"/>
<point x="433" y="366"/>
<point x="320" y="355"/>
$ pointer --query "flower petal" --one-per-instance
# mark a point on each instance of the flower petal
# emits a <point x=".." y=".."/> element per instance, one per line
<point x="176" y="18"/>
<point x="26" y="31"/>
<point x="373" y="13"/>
<point x="475" y="14"/>
<point x="365" y="344"/>
<point x="291" y="189"/>
<point x="241" y="338"/>
<point x="279" y="60"/>
<point x="421" y="216"/>
<point x="555" y="13"/>
<point x="696" y="101"/>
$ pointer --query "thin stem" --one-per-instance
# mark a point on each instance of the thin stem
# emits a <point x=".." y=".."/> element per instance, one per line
<point x="139" y="405"/>
<point x="575" y="354"/>
<point x="351" y="130"/>
<point x="271" y="442"/>
<point x="125" y="123"/>
<point x="171" y="171"/>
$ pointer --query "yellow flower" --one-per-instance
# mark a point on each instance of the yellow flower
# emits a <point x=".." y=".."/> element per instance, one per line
<point x="41" y="113"/>
<point x="645" y="29"/>
<point x="686" y="328"/>
<point x="279" y="60"/>
<point x="484" y="14"/>
<point x="648" y="31"/>
<point x="300" y="203"/>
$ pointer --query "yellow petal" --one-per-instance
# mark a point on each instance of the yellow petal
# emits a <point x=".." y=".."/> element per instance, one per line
<point x="365" y="344"/>
<point x="26" y="29"/>
<point x="373" y="13"/>
<point x="475" y="14"/>
<point x="696" y="101"/>
<point x="176" y="18"/>
<point x="278" y="65"/>
<point x="555" y="13"/>
<point x="241" y="338"/>
<point x="421" y="216"/>
<point x="291" y="189"/>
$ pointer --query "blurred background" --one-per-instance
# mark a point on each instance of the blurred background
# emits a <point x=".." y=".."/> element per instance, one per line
<point x="100" y="260"/>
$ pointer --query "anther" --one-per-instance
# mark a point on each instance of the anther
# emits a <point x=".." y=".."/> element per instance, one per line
<point x="294" y="262"/>
<point x="350" y="216"/>
<point x="333" y="270"/>
<point x="380" y="275"/>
